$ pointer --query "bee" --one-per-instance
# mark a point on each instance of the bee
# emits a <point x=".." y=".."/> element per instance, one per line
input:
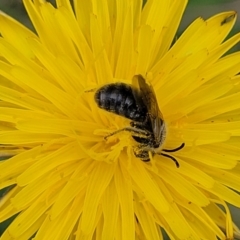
<point x="138" y="103"/>
<point x="228" y="19"/>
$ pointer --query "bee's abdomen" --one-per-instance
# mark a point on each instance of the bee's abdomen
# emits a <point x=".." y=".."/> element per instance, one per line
<point x="123" y="100"/>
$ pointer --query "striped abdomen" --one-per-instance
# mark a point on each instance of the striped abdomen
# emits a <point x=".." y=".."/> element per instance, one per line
<point x="123" y="100"/>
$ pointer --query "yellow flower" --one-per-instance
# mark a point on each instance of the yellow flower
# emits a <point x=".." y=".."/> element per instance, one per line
<point x="65" y="180"/>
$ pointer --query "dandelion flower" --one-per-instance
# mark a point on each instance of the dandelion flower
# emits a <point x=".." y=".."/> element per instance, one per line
<point x="64" y="180"/>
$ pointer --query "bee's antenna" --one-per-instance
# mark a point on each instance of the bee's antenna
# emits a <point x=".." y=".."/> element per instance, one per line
<point x="172" y="150"/>
<point x="172" y="158"/>
<point x="175" y="149"/>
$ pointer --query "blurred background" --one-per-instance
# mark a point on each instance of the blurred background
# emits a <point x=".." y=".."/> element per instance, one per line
<point x="196" y="8"/>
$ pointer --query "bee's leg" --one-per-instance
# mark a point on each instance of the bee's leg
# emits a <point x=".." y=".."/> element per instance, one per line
<point x="135" y="132"/>
<point x="136" y="124"/>
<point x="142" y="154"/>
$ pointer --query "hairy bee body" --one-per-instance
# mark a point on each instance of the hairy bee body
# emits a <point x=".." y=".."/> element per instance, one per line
<point x="138" y="104"/>
<point x="120" y="98"/>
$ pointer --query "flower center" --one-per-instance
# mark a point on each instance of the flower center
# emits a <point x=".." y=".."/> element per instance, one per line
<point x="112" y="146"/>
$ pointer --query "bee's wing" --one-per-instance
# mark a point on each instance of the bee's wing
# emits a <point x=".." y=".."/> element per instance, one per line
<point x="137" y="91"/>
<point x="150" y="100"/>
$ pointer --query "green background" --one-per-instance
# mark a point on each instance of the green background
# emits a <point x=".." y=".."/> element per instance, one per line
<point x="196" y="8"/>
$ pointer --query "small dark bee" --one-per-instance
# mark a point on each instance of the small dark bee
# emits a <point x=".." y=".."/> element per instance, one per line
<point x="228" y="19"/>
<point x="139" y="104"/>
